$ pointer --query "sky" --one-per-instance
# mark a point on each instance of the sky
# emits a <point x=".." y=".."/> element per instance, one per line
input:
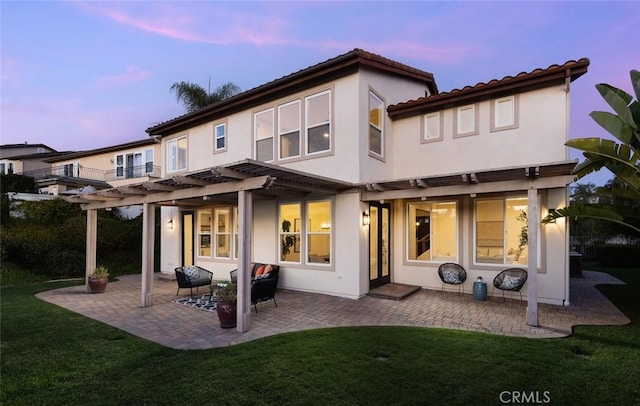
<point x="78" y="75"/>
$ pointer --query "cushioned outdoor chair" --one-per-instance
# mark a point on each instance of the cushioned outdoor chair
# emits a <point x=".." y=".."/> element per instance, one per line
<point x="264" y="282"/>
<point x="512" y="279"/>
<point x="452" y="274"/>
<point x="189" y="277"/>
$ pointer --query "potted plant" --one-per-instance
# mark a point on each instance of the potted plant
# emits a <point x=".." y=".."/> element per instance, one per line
<point x="226" y="306"/>
<point x="98" y="279"/>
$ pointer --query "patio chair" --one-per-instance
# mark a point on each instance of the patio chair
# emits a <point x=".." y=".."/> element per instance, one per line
<point x="189" y="277"/>
<point x="452" y="274"/>
<point x="512" y="279"/>
<point x="264" y="283"/>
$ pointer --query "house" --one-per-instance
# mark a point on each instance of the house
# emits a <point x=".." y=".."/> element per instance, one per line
<point x="357" y="172"/>
<point x="24" y="158"/>
<point x="101" y="168"/>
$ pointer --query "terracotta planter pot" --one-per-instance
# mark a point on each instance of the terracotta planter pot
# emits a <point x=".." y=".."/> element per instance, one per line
<point x="227" y="313"/>
<point x="98" y="285"/>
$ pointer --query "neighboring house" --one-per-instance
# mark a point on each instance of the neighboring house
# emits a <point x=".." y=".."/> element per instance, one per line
<point x="357" y="172"/>
<point x="21" y="158"/>
<point x="102" y="168"/>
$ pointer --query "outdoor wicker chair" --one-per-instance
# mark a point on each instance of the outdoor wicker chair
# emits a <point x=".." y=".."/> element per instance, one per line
<point x="452" y="274"/>
<point x="512" y="279"/>
<point x="189" y="277"/>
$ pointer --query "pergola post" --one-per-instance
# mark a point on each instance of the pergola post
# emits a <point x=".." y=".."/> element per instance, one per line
<point x="533" y="224"/>
<point x="92" y="245"/>
<point x="245" y="214"/>
<point x="148" y="243"/>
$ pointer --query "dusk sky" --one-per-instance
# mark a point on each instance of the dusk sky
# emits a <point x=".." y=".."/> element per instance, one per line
<point x="83" y="75"/>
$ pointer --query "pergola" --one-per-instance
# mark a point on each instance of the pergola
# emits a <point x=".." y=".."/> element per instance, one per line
<point x="240" y="182"/>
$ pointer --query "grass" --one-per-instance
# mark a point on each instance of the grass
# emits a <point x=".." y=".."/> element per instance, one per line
<point x="55" y="357"/>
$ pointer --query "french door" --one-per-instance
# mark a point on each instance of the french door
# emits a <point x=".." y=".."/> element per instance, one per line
<point x="379" y="239"/>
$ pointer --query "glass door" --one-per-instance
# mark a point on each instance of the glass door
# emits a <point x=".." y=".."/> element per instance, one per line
<point x="379" y="238"/>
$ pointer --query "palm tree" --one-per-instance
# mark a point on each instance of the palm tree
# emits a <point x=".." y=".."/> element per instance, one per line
<point x="195" y="97"/>
<point x="622" y="159"/>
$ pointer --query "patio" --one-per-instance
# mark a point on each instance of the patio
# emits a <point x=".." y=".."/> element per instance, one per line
<point x="180" y="327"/>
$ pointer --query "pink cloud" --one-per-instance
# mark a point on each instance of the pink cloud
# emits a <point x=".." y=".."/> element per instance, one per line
<point x="132" y="74"/>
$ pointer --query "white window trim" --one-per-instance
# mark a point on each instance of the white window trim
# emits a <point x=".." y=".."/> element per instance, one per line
<point x="168" y="154"/>
<point x="273" y="133"/>
<point x="516" y="113"/>
<point x="456" y="123"/>
<point x="304" y="235"/>
<point x="280" y="134"/>
<point x="382" y="124"/>
<point x="307" y="126"/>
<point x="408" y="239"/>
<point x="215" y="137"/>
<point x="424" y="127"/>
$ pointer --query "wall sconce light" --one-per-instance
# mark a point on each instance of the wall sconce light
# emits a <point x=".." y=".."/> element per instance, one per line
<point x="552" y="211"/>
<point x="170" y="224"/>
<point x="366" y="220"/>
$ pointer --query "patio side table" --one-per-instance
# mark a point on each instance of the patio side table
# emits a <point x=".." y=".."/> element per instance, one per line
<point x="479" y="290"/>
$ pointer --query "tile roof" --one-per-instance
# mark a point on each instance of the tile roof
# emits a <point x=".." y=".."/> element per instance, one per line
<point x="322" y="72"/>
<point x="523" y="81"/>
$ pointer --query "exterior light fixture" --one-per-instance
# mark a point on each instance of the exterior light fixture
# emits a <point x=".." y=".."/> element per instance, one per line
<point x="551" y="212"/>
<point x="366" y="220"/>
<point x="170" y="224"/>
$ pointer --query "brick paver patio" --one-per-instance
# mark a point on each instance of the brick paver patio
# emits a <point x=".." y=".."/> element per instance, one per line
<point x="181" y="327"/>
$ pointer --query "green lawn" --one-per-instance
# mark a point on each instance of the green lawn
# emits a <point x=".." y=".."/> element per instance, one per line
<point x="50" y="356"/>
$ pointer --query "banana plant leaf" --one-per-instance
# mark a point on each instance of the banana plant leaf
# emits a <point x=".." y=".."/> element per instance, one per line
<point x="586" y="211"/>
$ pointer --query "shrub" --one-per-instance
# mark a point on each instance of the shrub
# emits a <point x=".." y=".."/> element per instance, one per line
<point x="619" y="255"/>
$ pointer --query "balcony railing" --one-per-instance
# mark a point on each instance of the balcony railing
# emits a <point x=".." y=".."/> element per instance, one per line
<point x="132" y="172"/>
<point x="76" y="171"/>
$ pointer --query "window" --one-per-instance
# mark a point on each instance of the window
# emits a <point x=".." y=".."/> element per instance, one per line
<point x="319" y="232"/>
<point x="223" y="233"/>
<point x="220" y="135"/>
<point x="204" y="233"/>
<point x="2" y="172"/>
<point x="466" y="120"/>
<point x="289" y="129"/>
<point x="177" y="154"/>
<point x="306" y="227"/>
<point x="504" y="113"/>
<point x="433" y="231"/>
<point x="120" y="166"/>
<point x="376" y="136"/>
<point x="501" y="231"/>
<point x="263" y="130"/>
<point x="148" y="157"/>
<point x="432" y="127"/>
<point x="290" y="215"/>
<point x="318" y="121"/>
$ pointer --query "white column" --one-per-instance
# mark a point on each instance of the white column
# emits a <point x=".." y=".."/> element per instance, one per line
<point x="245" y="214"/>
<point x="148" y="238"/>
<point x="533" y="223"/>
<point x="92" y="245"/>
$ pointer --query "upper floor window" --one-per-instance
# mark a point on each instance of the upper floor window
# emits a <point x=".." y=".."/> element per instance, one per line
<point x="148" y="157"/>
<point x="318" y="122"/>
<point x="177" y="154"/>
<point x="504" y="113"/>
<point x="220" y="135"/>
<point x="433" y="231"/>
<point x="263" y="131"/>
<point x="376" y="135"/>
<point x="289" y="129"/>
<point x="466" y="120"/>
<point x="432" y="127"/>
